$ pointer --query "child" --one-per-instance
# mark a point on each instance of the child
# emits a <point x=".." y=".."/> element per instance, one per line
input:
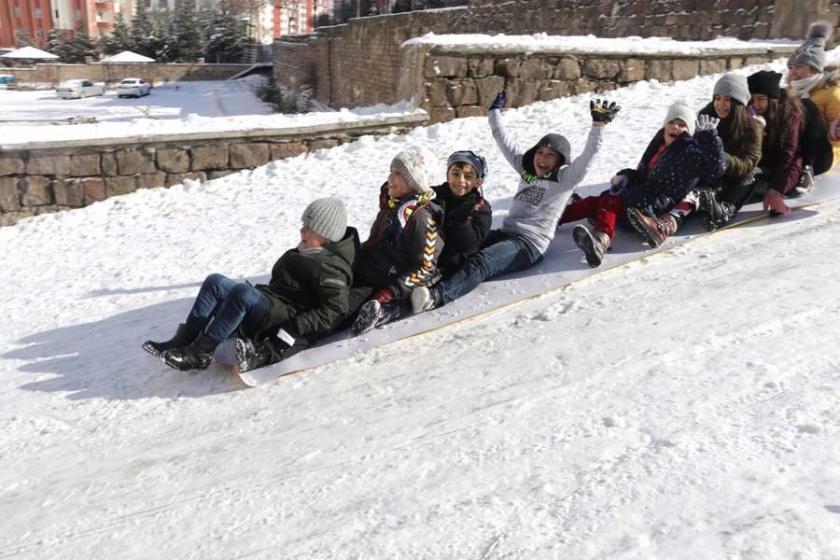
<point x="548" y="176"/>
<point x="306" y="296"/>
<point x="781" y="160"/>
<point x="672" y="165"/>
<point x="467" y="215"/>
<point x="742" y="137"/>
<point x="404" y="245"/>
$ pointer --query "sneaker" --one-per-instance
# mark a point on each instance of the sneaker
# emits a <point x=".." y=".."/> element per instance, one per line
<point x="805" y="184"/>
<point x="248" y="356"/>
<point x="653" y="230"/>
<point x="593" y="244"/>
<point x="423" y="299"/>
<point x="368" y="317"/>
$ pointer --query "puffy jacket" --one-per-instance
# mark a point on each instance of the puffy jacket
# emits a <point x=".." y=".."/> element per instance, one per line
<point x="742" y="154"/>
<point x="466" y="223"/>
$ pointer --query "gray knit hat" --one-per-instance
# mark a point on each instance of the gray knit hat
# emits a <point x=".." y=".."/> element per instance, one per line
<point x="680" y="110"/>
<point x="812" y="51"/>
<point x="327" y="217"/>
<point x="735" y="86"/>
<point x="415" y="165"/>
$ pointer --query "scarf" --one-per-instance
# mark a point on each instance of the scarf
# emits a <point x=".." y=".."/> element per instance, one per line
<point x="803" y="86"/>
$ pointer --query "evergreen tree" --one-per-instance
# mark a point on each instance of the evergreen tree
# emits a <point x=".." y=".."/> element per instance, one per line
<point x="119" y="40"/>
<point x="82" y="47"/>
<point x="142" y="30"/>
<point x="188" y="31"/>
<point x="22" y="38"/>
<point x="57" y="44"/>
<point x="166" y="47"/>
<point x="225" y="36"/>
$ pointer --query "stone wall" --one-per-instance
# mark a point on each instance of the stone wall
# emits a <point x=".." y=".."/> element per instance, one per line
<point x="450" y="84"/>
<point x="110" y="73"/>
<point x="360" y="63"/>
<point x="43" y="177"/>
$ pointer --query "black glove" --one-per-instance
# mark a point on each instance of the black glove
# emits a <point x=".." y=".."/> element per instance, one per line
<point x="602" y="110"/>
<point x="499" y="102"/>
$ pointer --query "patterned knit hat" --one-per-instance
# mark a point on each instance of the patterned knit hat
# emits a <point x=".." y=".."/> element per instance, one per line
<point x="680" y="110"/>
<point x="812" y="51"/>
<point x="472" y="158"/>
<point x="735" y="86"/>
<point x="766" y="83"/>
<point x="414" y="165"/>
<point x="327" y="217"/>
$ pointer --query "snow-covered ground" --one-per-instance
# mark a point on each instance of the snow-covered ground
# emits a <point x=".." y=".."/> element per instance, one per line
<point x="683" y="406"/>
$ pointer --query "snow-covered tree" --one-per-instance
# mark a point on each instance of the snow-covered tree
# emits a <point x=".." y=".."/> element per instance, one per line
<point x="188" y="32"/>
<point x="82" y="47"/>
<point x="57" y="44"/>
<point x="142" y="31"/>
<point x="119" y="40"/>
<point x="225" y="35"/>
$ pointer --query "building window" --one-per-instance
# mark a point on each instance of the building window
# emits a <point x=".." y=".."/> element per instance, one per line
<point x="39" y="33"/>
<point x="37" y="13"/>
<point x="56" y="14"/>
<point x="16" y="12"/>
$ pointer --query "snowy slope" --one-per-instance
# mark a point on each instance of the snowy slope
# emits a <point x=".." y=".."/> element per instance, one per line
<point x="684" y="406"/>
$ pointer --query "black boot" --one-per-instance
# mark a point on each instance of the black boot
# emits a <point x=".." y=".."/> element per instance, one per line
<point x="183" y="337"/>
<point x="196" y="355"/>
<point x="718" y="212"/>
<point x="249" y="355"/>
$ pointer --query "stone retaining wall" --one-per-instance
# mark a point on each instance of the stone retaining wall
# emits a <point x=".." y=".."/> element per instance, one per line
<point x="448" y="83"/>
<point x="43" y="177"/>
<point x="110" y="73"/>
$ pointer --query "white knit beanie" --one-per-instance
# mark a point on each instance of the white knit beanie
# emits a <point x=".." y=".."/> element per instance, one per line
<point x="415" y="166"/>
<point x="327" y="217"/>
<point x="681" y="110"/>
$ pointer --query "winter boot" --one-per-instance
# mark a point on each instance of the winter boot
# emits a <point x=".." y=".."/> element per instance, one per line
<point x="250" y="356"/>
<point x="423" y="299"/>
<point x="196" y="355"/>
<point x="653" y="230"/>
<point x="183" y="336"/>
<point x="593" y="244"/>
<point x="805" y="184"/>
<point x="718" y="212"/>
<point x="368" y="317"/>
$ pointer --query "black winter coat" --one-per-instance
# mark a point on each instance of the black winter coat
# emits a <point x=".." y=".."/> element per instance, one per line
<point x="688" y="161"/>
<point x="308" y="291"/>
<point x="466" y="223"/>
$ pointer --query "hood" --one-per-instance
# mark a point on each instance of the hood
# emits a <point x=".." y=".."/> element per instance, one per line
<point x="556" y="142"/>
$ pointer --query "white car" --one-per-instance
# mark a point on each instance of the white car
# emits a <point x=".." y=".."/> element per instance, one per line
<point x="133" y="87"/>
<point x="76" y="89"/>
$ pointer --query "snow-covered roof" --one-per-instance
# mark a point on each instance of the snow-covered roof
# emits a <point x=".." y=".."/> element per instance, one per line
<point x="126" y="56"/>
<point x="30" y="53"/>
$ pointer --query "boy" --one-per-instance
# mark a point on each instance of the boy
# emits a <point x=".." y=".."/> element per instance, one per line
<point x="306" y="296"/>
<point x="548" y="177"/>
<point x="404" y="245"/>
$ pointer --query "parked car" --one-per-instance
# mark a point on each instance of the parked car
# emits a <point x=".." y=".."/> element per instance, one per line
<point x="135" y="87"/>
<point x="7" y="81"/>
<point x="76" y="89"/>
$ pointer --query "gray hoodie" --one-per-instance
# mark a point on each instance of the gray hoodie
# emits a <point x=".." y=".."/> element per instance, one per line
<point x="539" y="202"/>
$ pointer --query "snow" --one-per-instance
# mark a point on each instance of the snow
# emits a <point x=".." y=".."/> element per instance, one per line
<point x="682" y="406"/>
<point x="126" y="56"/>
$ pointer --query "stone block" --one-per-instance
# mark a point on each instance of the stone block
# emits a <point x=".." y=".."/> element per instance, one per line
<point x="553" y="89"/>
<point x="9" y="196"/>
<point x="521" y="93"/>
<point x="508" y="67"/>
<point x="736" y="62"/>
<point x="535" y="69"/>
<point x="12" y="165"/>
<point x="11" y="218"/>
<point x="93" y="189"/>
<point x="244" y="156"/>
<point x="285" y="150"/>
<point x="488" y="88"/>
<point x="462" y="93"/>
<point x="132" y="162"/>
<point x="632" y="70"/>
<point x="48" y="165"/>
<point x="753" y="60"/>
<point x="214" y="156"/>
<point x="116" y="186"/>
<point x="446" y="67"/>
<point x="712" y="66"/>
<point x="173" y="160"/>
<point x="568" y="68"/>
<point x="471" y="111"/>
<point x="658" y="69"/>
<point x="69" y="192"/>
<point x="685" y="68"/>
<point x="216" y="173"/>
<point x="175" y="178"/>
<point x="480" y="67"/>
<point x="85" y="165"/>
<point x="436" y="92"/>
<point x="324" y="144"/>
<point x="109" y="164"/>
<point x="441" y="114"/>
<point x="151" y="180"/>
<point x="36" y="191"/>
<point x="584" y="86"/>
<point x="601" y="68"/>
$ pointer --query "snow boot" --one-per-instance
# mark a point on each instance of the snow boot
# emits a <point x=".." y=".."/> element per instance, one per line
<point x="718" y="212"/>
<point x="423" y="299"/>
<point x="593" y="244"/>
<point x="653" y="230"/>
<point x="183" y="337"/>
<point x="250" y="356"/>
<point x="197" y="355"/>
<point x="805" y="184"/>
<point x="374" y="314"/>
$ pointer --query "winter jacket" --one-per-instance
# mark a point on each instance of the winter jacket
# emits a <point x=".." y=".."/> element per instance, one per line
<point x="404" y="244"/>
<point x="826" y="96"/>
<point x="308" y="290"/>
<point x="466" y="223"/>
<point x="782" y="159"/>
<point x="539" y="201"/>
<point x="742" y="154"/>
<point x="817" y="150"/>
<point x="689" y="160"/>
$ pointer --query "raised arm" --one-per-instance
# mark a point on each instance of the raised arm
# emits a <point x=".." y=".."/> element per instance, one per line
<point x="511" y="152"/>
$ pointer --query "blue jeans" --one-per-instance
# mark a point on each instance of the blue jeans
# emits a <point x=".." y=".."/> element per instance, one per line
<point x="222" y="305"/>
<point x="502" y="253"/>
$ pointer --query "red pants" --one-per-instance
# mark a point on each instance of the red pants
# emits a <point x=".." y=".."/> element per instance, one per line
<point x="604" y="210"/>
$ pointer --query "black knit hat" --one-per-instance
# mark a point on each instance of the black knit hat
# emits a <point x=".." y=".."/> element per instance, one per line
<point x="765" y="82"/>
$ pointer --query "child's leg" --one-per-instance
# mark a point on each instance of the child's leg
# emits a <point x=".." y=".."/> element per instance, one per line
<point x="580" y="209"/>
<point x="213" y="292"/>
<point x="243" y="305"/>
<point x="609" y="208"/>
